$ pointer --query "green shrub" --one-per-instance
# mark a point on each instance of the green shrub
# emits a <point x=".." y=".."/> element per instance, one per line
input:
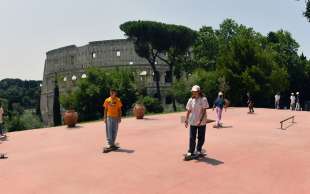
<point x="152" y="105"/>
<point x="27" y="120"/>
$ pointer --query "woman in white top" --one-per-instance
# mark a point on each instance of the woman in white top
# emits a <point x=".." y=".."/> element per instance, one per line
<point x="196" y="118"/>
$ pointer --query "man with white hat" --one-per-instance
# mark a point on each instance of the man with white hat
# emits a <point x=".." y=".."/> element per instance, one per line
<point x="293" y="101"/>
<point x="196" y="118"/>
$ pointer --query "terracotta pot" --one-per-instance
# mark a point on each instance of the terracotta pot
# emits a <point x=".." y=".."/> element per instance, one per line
<point x="139" y="111"/>
<point x="70" y="118"/>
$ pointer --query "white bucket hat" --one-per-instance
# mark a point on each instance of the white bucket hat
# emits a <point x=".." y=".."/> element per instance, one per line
<point x="195" y="88"/>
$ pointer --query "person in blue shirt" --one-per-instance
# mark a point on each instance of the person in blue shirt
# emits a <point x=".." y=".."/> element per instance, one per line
<point x="219" y="104"/>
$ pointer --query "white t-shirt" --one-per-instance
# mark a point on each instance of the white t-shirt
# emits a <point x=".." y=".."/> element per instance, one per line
<point x="1" y="114"/>
<point x="277" y="97"/>
<point x="293" y="99"/>
<point x="196" y="106"/>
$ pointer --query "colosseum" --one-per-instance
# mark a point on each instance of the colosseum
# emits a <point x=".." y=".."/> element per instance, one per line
<point x="68" y="64"/>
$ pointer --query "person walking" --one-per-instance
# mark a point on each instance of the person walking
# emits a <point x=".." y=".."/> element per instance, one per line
<point x="250" y="103"/>
<point x="196" y="119"/>
<point x="277" y="98"/>
<point x="218" y="105"/>
<point x="2" y="135"/>
<point x="293" y="101"/>
<point x="112" y="118"/>
<point x="297" y="108"/>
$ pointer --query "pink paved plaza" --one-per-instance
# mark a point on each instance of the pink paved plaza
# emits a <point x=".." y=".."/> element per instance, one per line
<point x="250" y="155"/>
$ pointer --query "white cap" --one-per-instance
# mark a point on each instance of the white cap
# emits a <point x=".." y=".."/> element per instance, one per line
<point x="220" y="93"/>
<point x="195" y="88"/>
<point x="297" y="92"/>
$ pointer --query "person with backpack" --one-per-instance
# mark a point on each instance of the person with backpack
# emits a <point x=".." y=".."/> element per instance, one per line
<point x="219" y="105"/>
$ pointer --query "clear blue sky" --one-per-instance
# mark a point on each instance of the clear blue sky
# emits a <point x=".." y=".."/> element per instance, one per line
<point x="29" y="28"/>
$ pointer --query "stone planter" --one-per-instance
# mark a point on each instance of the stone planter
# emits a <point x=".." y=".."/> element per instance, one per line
<point x="139" y="111"/>
<point x="70" y="118"/>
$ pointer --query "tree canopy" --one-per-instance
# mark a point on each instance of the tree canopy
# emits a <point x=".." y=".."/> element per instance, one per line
<point x="307" y="12"/>
<point x="88" y="97"/>
<point x="156" y="40"/>
<point x="236" y="59"/>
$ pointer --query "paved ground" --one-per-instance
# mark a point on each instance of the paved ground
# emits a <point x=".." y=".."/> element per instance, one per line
<point x="250" y="155"/>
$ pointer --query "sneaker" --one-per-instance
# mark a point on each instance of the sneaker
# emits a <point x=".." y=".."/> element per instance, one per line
<point x="188" y="156"/>
<point x="201" y="153"/>
<point x="116" y="145"/>
<point x="108" y="146"/>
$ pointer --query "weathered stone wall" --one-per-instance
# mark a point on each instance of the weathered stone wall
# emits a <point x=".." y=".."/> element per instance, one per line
<point x="71" y="62"/>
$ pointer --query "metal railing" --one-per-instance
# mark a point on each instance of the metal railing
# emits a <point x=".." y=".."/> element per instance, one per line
<point x="290" y="118"/>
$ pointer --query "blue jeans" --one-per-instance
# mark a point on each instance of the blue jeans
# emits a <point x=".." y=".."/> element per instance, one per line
<point x="111" y="130"/>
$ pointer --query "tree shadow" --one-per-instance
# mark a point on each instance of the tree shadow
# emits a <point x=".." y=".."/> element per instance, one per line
<point x="127" y="151"/>
<point x="211" y="161"/>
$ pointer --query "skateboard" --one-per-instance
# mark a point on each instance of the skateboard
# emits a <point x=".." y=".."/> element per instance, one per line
<point x="113" y="148"/>
<point x="218" y="126"/>
<point x="3" y="156"/>
<point x="4" y="137"/>
<point x="195" y="156"/>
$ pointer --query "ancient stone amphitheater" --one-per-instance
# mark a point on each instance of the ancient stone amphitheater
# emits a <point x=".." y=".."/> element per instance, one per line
<point x="68" y="64"/>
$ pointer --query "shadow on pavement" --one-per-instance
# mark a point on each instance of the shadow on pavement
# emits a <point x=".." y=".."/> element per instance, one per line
<point x="212" y="161"/>
<point x="76" y="127"/>
<point x="3" y="156"/>
<point x="229" y="126"/>
<point x="149" y="119"/>
<point x="127" y="151"/>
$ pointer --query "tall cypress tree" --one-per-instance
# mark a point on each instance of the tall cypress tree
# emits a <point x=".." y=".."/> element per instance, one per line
<point x="56" y="105"/>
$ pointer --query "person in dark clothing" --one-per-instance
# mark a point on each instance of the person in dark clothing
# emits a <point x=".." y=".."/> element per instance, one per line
<point x="250" y="103"/>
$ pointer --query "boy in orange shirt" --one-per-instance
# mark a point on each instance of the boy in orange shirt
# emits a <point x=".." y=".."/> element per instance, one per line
<point x="112" y="118"/>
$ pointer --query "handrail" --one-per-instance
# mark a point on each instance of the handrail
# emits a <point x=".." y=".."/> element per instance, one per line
<point x="281" y="122"/>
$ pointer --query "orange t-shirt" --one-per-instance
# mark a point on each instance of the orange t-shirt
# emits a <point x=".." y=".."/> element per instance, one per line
<point x="113" y="106"/>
